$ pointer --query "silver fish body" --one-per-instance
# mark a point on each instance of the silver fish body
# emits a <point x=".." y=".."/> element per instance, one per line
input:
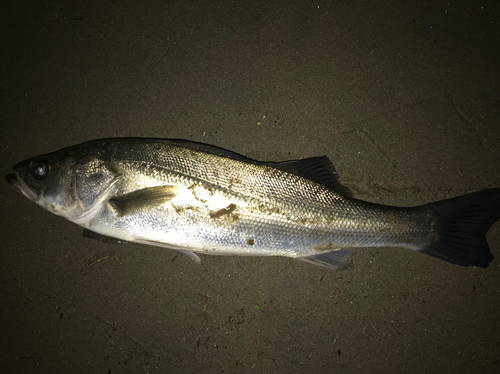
<point x="201" y="199"/>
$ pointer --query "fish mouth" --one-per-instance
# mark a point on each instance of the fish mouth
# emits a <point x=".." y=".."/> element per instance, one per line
<point x="16" y="182"/>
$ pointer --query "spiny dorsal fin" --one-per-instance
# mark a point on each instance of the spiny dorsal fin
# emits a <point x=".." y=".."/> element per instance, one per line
<point x="318" y="169"/>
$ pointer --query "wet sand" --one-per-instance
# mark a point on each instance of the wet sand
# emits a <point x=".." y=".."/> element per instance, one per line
<point x="402" y="97"/>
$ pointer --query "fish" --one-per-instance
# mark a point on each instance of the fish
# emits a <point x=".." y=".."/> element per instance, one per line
<point x="200" y="199"/>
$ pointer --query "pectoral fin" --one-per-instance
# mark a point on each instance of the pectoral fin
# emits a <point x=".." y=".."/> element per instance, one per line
<point x="142" y="200"/>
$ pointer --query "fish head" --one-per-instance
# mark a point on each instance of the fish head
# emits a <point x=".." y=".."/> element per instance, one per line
<point x="70" y="183"/>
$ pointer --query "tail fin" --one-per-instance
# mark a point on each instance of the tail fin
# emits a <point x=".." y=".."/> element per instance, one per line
<point x="460" y="228"/>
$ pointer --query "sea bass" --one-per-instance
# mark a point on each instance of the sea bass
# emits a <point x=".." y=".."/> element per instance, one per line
<point x="197" y="198"/>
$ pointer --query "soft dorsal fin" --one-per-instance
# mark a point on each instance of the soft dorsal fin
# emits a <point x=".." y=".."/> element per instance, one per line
<point x="317" y="169"/>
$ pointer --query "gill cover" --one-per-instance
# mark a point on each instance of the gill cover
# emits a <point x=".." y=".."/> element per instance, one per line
<point x="94" y="182"/>
<point x="94" y="177"/>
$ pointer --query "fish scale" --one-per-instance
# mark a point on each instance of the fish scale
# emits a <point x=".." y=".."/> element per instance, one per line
<point x="302" y="228"/>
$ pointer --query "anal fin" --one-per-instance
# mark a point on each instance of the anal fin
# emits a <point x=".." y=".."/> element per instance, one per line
<point x="332" y="260"/>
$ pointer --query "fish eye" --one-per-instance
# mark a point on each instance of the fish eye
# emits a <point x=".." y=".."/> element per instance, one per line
<point x="40" y="169"/>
